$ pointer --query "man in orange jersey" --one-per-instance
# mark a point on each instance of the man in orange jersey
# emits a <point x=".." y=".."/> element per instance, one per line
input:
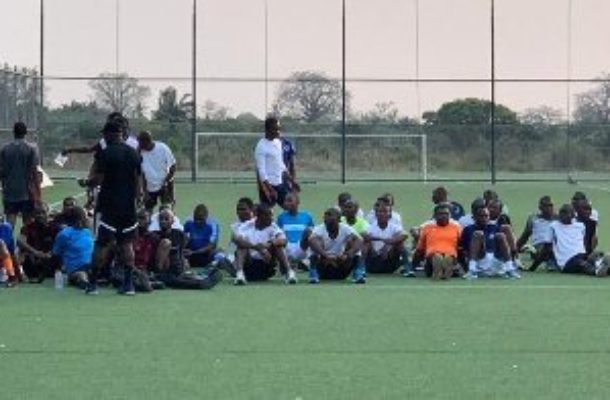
<point x="438" y="244"/>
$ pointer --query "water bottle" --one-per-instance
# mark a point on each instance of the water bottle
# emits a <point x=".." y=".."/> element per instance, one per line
<point x="59" y="280"/>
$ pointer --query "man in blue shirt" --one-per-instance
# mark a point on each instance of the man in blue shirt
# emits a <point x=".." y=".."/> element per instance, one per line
<point x="74" y="245"/>
<point x="202" y="235"/>
<point x="297" y="225"/>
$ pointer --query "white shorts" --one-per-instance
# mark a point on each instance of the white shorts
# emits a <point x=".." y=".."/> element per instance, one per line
<point x="295" y="252"/>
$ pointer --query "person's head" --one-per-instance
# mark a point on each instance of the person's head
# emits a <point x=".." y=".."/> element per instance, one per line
<point x="111" y="131"/>
<point x="350" y="209"/>
<point x="166" y="219"/>
<point x="76" y="217"/>
<point x="120" y="119"/>
<point x="495" y="209"/>
<point x="40" y="214"/>
<point x="441" y="214"/>
<point x="20" y="130"/>
<point x="476" y="204"/>
<point x="490" y="195"/>
<point x="272" y="128"/>
<point x="383" y="214"/>
<point x="68" y="203"/>
<point x="481" y="216"/>
<point x="145" y="141"/>
<point x="264" y="215"/>
<point x="342" y="198"/>
<point x="584" y="211"/>
<point x="143" y="220"/>
<point x="200" y="214"/>
<point x="388" y="198"/>
<point x="244" y="209"/>
<point x="439" y="195"/>
<point x="291" y="202"/>
<point x="545" y="205"/>
<point x="578" y="199"/>
<point x="331" y="219"/>
<point x="566" y="214"/>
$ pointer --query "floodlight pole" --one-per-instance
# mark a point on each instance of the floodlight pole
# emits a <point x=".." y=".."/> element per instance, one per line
<point x="493" y="94"/>
<point x="41" y="82"/>
<point x="343" y="95"/>
<point x="194" y="97"/>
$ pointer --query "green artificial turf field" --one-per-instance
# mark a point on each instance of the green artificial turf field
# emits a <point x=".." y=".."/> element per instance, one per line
<point x="544" y="336"/>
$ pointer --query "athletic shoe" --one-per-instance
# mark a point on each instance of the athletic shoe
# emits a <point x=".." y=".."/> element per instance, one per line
<point x="226" y="265"/>
<point x="513" y="274"/>
<point x="470" y="275"/>
<point x="408" y="273"/>
<point x="359" y="276"/>
<point x="314" y="276"/>
<point x="240" y="279"/>
<point x="291" y="277"/>
<point x="601" y="268"/>
<point x="91" y="289"/>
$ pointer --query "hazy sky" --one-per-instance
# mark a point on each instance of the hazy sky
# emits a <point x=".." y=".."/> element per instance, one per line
<point x="454" y="42"/>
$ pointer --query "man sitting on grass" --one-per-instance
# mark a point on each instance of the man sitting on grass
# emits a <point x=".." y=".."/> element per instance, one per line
<point x="74" y="245"/>
<point x="35" y="243"/>
<point x="487" y="250"/>
<point x="568" y="238"/>
<point x="297" y="226"/>
<point x="350" y="216"/>
<point x="202" y="235"/>
<point x="171" y="267"/>
<point x="438" y="245"/>
<point x="336" y="251"/>
<point x="538" y="227"/>
<point x="384" y="244"/>
<point x="260" y="247"/>
<point x="388" y="200"/>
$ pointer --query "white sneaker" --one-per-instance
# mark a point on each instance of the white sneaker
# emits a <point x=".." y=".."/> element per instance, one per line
<point x="601" y="268"/>
<point x="291" y="277"/>
<point x="240" y="278"/>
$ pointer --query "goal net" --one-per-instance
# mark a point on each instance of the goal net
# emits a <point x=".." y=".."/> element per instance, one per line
<point x="230" y="155"/>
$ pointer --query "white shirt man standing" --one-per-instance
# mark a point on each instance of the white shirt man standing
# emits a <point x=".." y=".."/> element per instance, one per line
<point x="158" y="168"/>
<point x="271" y="171"/>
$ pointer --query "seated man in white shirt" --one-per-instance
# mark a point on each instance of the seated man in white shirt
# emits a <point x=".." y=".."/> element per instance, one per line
<point x="538" y="227"/>
<point x="388" y="200"/>
<point x="384" y="244"/>
<point x="568" y="237"/>
<point x="335" y="251"/>
<point x="260" y="246"/>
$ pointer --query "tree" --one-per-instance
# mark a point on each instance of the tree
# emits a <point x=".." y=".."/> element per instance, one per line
<point x="170" y="108"/>
<point x="119" y="92"/>
<point x="469" y="111"/>
<point x="543" y="115"/>
<point x="214" y="111"/>
<point x="309" y="96"/>
<point x="593" y="106"/>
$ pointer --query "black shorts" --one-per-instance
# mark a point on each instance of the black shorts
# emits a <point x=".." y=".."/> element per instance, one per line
<point x="282" y="191"/>
<point x="339" y="272"/>
<point x="115" y="230"/>
<point x="576" y="265"/>
<point x="258" y="270"/>
<point x="378" y="265"/>
<point x="24" y="207"/>
<point x="165" y="195"/>
<point x="200" y="260"/>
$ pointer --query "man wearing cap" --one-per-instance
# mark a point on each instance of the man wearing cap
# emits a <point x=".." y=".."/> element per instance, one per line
<point x="117" y="171"/>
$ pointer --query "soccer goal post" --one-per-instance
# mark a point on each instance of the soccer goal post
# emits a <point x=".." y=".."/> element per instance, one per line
<point x="390" y="156"/>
